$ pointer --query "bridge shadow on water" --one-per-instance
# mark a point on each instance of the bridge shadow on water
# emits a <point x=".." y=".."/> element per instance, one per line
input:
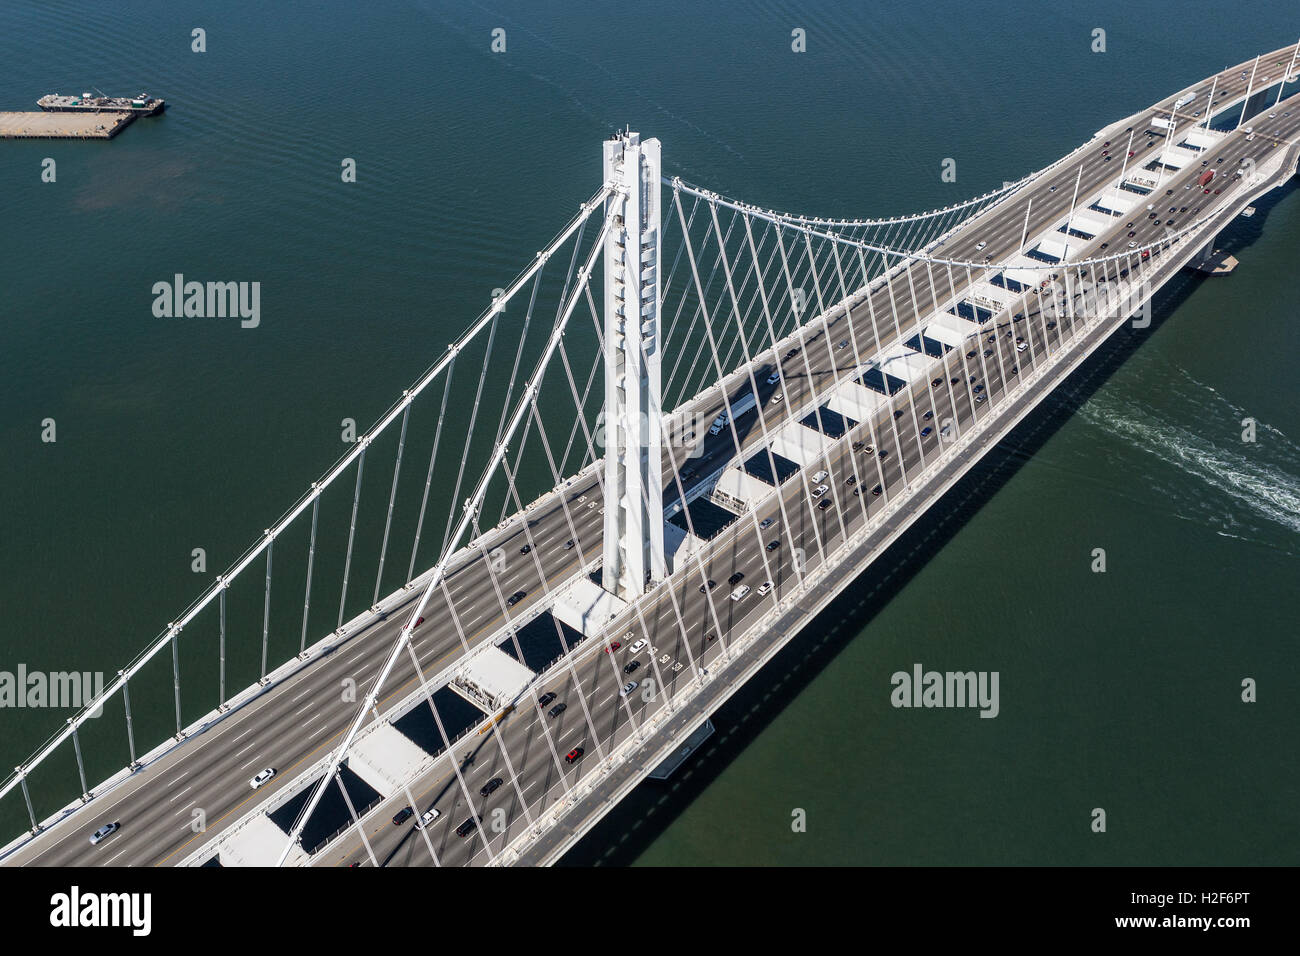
<point x="638" y="820"/>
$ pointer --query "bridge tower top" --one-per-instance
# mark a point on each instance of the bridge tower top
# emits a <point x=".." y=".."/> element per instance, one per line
<point x="634" y="529"/>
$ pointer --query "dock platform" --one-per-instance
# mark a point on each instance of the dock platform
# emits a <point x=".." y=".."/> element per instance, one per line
<point x="1218" y="263"/>
<point x="43" y="125"/>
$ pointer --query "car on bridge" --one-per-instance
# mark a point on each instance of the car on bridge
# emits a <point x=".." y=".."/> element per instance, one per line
<point x="262" y="778"/>
<point x="708" y="585"/>
<point x="612" y="647"/>
<point x="468" y="827"/>
<point x="402" y="815"/>
<point x="516" y="598"/>
<point x="628" y="688"/>
<point x="574" y="755"/>
<point x="819" y="491"/>
<point x="765" y="588"/>
<point x="490" y="787"/>
<point x="638" y="646"/>
<point x="103" y="833"/>
<point x="557" y="710"/>
<point x="818" y="478"/>
<point x="426" y="818"/>
<point x="545" y="699"/>
<point x="740" y="592"/>
<point x="773" y="545"/>
<point x="824" y="505"/>
<point x="766" y="523"/>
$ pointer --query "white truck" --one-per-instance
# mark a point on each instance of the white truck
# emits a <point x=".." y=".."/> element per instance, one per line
<point x="1184" y="100"/>
<point x="738" y="407"/>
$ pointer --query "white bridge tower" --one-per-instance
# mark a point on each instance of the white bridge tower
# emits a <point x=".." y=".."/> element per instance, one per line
<point x="634" y="516"/>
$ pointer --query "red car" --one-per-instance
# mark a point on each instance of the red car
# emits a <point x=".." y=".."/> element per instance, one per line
<point x="419" y="621"/>
<point x="574" y="754"/>
<point x="613" y="647"/>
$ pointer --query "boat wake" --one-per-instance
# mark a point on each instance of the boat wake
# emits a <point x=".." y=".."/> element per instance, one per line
<point x="1240" y="482"/>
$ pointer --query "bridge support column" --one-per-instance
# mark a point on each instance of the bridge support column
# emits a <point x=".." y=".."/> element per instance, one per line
<point x="634" y="530"/>
<point x="1206" y="253"/>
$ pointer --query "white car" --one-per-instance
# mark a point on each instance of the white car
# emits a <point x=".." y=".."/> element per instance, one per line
<point x="429" y="816"/>
<point x="1022" y="346"/>
<point x="819" y="477"/>
<point x="980" y="245"/>
<point x="776" y="398"/>
<point x="764" y="588"/>
<point x="628" y="688"/>
<point x="262" y="778"/>
<point x="637" y="647"/>
<point x="103" y="833"/>
<point x="1132" y="245"/>
<point x="819" y="491"/>
<point x="740" y="592"/>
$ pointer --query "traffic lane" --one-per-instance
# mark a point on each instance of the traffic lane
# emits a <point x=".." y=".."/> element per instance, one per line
<point x="155" y="829"/>
<point x="270" y="709"/>
<point x="594" y="677"/>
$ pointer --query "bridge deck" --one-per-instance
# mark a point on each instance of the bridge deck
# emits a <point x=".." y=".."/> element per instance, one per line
<point x="293" y="725"/>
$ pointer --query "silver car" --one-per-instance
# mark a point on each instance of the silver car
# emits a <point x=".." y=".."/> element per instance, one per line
<point x="103" y="833"/>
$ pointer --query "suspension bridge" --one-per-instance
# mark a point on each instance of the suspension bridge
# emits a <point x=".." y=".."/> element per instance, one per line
<point x="659" y="452"/>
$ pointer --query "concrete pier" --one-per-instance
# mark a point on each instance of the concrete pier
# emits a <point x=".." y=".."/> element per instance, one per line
<point x="42" y="125"/>
<point x="1217" y="264"/>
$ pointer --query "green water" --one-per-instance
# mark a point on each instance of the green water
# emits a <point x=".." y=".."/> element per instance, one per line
<point x="1118" y="690"/>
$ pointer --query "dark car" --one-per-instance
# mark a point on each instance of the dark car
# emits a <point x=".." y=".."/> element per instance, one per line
<point x="573" y="755"/>
<point x="823" y="504"/>
<point x="708" y="585"/>
<point x="545" y="699"/>
<point x="630" y="666"/>
<point x="884" y="453"/>
<point x="925" y="432"/>
<point x="898" y="414"/>
<point x="568" y="545"/>
<point x="466" y="828"/>
<point x="792" y="353"/>
<point x="402" y="815"/>
<point x="773" y="545"/>
<point x="516" y="598"/>
<point x="525" y="549"/>
<point x="735" y="579"/>
<point x="927" y="416"/>
<point x="877" y="490"/>
<point x="557" y="710"/>
<point x="490" y="787"/>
